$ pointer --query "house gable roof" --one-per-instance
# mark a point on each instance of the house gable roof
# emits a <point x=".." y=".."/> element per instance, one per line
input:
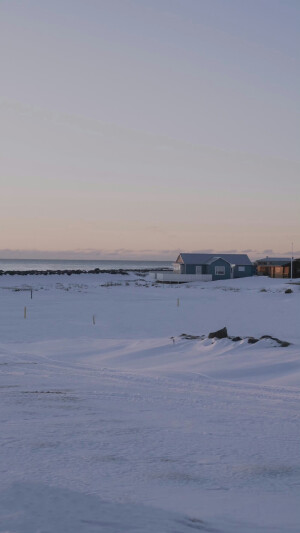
<point x="214" y="259"/>
<point x="179" y="259"/>
<point x="201" y="259"/>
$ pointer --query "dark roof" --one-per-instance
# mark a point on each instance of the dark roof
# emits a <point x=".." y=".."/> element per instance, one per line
<point x="215" y="258"/>
<point x="274" y="261"/>
<point x="201" y="259"/>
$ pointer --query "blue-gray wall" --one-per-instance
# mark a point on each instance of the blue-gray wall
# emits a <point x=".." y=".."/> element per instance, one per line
<point x="249" y="271"/>
<point x="190" y="269"/>
<point x="219" y="262"/>
<point x="210" y="269"/>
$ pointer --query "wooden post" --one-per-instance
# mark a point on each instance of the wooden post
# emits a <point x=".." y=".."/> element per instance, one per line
<point x="94" y="320"/>
<point x="25" y="312"/>
<point x="31" y="294"/>
<point x="177" y="302"/>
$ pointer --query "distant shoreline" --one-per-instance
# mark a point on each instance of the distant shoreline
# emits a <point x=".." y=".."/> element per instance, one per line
<point x="70" y="272"/>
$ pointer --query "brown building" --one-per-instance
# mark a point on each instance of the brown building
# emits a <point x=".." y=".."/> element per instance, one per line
<point x="277" y="267"/>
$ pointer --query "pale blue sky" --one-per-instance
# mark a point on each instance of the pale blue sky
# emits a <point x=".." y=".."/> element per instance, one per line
<point x="134" y="128"/>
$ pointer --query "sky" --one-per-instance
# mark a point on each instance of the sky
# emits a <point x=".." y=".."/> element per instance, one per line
<point x="141" y="128"/>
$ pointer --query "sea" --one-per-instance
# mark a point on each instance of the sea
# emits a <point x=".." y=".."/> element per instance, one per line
<point x="82" y="264"/>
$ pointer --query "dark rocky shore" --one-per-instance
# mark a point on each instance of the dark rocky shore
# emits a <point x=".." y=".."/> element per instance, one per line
<point x="70" y="272"/>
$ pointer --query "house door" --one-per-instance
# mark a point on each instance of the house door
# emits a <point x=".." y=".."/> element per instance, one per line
<point x="198" y="270"/>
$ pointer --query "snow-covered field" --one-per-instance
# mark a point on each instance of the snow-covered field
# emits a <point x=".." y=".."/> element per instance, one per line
<point x="110" y="425"/>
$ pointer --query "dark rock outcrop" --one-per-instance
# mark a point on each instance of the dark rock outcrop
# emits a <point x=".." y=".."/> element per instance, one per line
<point x="283" y="344"/>
<point x="252" y="340"/>
<point x="222" y="334"/>
<point x="219" y="334"/>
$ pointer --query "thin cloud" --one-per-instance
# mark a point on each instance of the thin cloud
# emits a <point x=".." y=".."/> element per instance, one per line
<point x="295" y="252"/>
<point x="124" y="253"/>
<point x="89" y="254"/>
<point x="229" y="251"/>
<point x="203" y="251"/>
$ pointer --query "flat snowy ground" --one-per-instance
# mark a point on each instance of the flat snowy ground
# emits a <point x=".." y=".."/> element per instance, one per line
<point x="107" y="425"/>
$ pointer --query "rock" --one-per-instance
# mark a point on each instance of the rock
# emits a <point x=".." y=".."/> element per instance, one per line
<point x="252" y="340"/>
<point x="222" y="334"/>
<point x="288" y="291"/>
<point x="283" y="344"/>
<point x="219" y="334"/>
<point x="191" y="337"/>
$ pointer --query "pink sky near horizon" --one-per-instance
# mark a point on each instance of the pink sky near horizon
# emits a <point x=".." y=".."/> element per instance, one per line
<point x="136" y="130"/>
<point x="125" y="254"/>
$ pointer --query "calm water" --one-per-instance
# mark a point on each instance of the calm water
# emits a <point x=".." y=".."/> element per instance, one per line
<point x="71" y="264"/>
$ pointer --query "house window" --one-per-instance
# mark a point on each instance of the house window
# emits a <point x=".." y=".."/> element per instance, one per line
<point x="220" y="271"/>
<point x="241" y="269"/>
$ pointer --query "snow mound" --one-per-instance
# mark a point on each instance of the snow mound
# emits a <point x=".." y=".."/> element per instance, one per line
<point x="36" y="508"/>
